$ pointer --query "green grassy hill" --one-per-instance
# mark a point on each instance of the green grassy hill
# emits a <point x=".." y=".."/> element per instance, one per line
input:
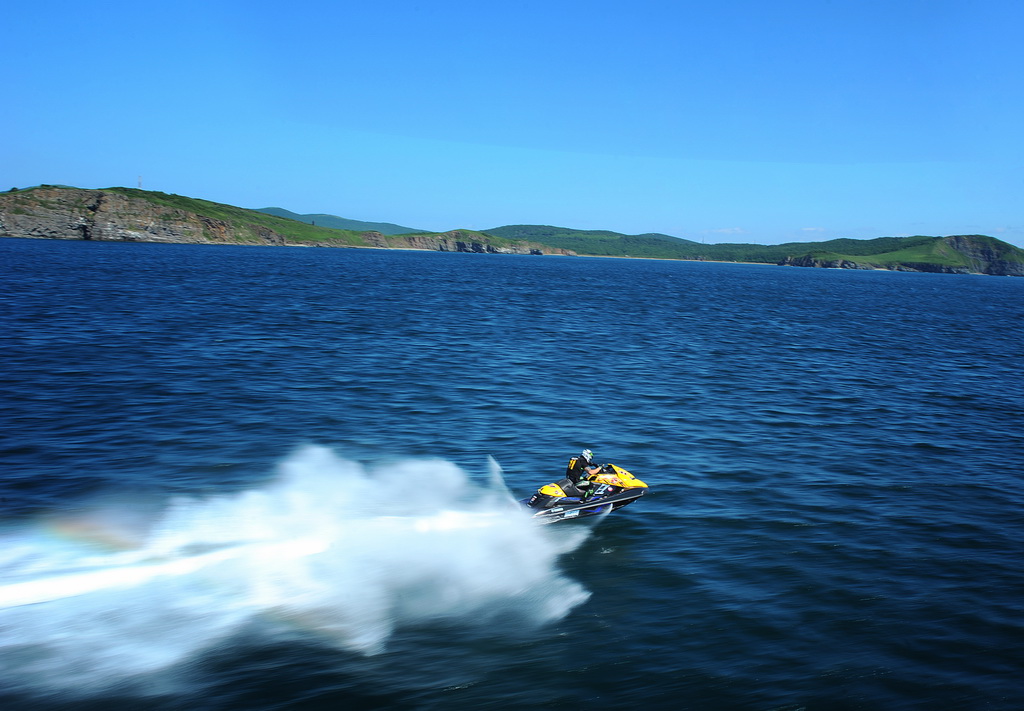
<point x="602" y="242"/>
<point x="299" y="232"/>
<point x="851" y="248"/>
<point x="661" y="246"/>
<point x="974" y="253"/>
<point x="967" y="253"/>
<point x="342" y="223"/>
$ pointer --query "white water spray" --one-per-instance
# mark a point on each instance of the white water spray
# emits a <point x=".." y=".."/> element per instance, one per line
<point x="342" y="552"/>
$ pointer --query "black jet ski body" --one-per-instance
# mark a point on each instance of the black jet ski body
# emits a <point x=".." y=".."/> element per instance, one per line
<point x="591" y="495"/>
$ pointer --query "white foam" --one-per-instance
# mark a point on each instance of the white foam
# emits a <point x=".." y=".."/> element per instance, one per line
<point x="332" y="548"/>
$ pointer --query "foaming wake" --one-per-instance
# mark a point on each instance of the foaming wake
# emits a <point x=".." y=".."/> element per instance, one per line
<point x="344" y="552"/>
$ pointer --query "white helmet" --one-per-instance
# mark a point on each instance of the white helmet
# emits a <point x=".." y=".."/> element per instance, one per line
<point x="587" y="455"/>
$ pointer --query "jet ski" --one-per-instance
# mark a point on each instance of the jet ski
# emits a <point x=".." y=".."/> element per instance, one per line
<point x="586" y="490"/>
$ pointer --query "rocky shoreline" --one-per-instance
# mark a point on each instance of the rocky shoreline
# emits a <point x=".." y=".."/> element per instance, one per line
<point x="80" y="214"/>
<point x="71" y="213"/>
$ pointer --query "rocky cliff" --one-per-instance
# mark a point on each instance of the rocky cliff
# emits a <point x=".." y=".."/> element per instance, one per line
<point x="984" y="255"/>
<point x="51" y="212"/>
<point x="463" y="241"/>
<point x="958" y="254"/>
<point x="70" y="213"/>
<point x="809" y="260"/>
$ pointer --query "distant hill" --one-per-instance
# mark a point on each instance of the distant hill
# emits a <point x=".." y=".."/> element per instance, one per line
<point x="661" y="246"/>
<point x="967" y="254"/>
<point x="127" y="214"/>
<point x="603" y="242"/>
<point x="341" y="223"/>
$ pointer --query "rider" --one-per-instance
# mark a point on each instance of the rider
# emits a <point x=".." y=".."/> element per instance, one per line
<point x="582" y="466"/>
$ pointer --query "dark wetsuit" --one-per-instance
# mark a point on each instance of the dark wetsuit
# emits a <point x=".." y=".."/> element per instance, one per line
<point x="577" y="469"/>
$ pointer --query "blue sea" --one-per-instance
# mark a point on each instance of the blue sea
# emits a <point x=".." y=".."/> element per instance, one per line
<point x="246" y="478"/>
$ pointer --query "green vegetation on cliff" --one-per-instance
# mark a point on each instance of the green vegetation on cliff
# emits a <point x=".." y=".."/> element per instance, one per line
<point x="958" y="253"/>
<point x="302" y="232"/>
<point x="298" y="232"/>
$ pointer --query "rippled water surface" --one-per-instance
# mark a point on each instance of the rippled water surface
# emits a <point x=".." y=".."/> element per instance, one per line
<point x="269" y="478"/>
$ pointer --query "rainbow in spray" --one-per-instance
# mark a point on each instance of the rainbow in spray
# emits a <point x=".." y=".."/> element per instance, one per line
<point x="112" y="593"/>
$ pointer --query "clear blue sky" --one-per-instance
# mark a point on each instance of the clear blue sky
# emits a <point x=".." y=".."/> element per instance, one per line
<point x="728" y="121"/>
